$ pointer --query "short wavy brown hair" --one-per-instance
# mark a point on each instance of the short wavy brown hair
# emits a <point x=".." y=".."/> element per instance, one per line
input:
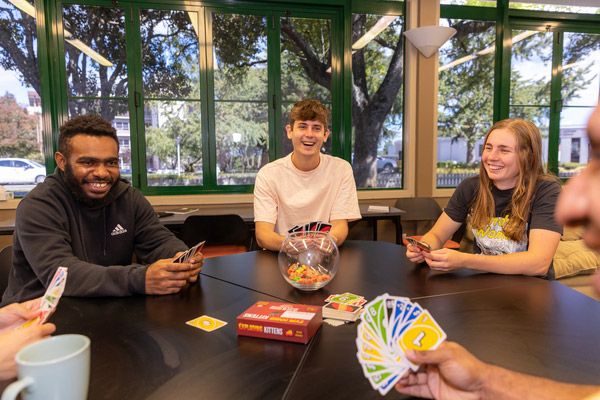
<point x="310" y="110"/>
<point x="92" y="125"/>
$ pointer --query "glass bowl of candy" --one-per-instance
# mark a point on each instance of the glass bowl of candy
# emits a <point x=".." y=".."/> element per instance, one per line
<point x="308" y="260"/>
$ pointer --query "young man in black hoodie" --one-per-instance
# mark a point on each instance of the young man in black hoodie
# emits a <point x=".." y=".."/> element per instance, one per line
<point x="84" y="217"/>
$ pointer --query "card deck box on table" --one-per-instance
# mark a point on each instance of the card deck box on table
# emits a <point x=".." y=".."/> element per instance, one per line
<point x="280" y="321"/>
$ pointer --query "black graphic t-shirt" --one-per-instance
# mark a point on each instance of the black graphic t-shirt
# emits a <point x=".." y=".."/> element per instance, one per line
<point x="491" y="240"/>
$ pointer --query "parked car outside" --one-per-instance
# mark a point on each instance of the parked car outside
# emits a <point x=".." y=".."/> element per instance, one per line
<point x="386" y="164"/>
<point x="21" y="170"/>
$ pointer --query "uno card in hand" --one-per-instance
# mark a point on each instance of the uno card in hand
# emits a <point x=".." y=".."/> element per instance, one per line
<point x="50" y="299"/>
<point x="189" y="253"/>
<point x="420" y="245"/>
<point x="325" y="227"/>
<point x="389" y="326"/>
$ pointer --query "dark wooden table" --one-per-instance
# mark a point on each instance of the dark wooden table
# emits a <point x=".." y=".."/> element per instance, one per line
<point x="142" y="348"/>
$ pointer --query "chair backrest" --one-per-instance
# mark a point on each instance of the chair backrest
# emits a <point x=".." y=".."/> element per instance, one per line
<point x="216" y="230"/>
<point x="419" y="208"/>
<point x="424" y="209"/>
<point x="5" y="266"/>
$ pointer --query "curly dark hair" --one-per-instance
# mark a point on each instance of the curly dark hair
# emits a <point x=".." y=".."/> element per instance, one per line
<point x="92" y="125"/>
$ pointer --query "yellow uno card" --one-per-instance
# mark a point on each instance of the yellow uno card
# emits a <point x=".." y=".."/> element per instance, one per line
<point x="423" y="334"/>
<point x="206" y="323"/>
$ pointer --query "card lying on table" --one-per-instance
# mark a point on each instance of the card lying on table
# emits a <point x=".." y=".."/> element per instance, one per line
<point x="389" y="326"/>
<point x="345" y="306"/>
<point x="281" y="321"/>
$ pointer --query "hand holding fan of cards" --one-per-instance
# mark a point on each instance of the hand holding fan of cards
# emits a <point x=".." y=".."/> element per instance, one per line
<point x="50" y="299"/>
<point x="389" y="326"/>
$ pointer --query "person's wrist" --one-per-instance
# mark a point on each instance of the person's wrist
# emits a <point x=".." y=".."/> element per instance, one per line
<point x="487" y="384"/>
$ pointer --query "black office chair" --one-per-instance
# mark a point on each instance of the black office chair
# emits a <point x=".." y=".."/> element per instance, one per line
<point x="224" y="234"/>
<point x="5" y="266"/>
<point x="428" y="210"/>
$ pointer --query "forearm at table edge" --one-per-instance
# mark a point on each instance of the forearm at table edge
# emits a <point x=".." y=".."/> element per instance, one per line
<point x="503" y="384"/>
<point x="339" y="231"/>
<point x="269" y="240"/>
<point x="90" y="280"/>
<point x="521" y="263"/>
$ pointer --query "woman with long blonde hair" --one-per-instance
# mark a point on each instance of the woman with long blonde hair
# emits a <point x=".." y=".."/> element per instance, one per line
<point x="511" y="205"/>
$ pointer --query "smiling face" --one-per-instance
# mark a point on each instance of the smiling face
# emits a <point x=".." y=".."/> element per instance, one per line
<point x="91" y="166"/>
<point x="307" y="138"/>
<point x="500" y="158"/>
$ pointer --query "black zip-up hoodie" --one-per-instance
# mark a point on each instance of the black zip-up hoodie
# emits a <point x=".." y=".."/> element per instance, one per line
<point x="54" y="229"/>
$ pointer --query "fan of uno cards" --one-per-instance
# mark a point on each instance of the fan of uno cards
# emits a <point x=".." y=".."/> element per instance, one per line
<point x="189" y="253"/>
<point x="390" y="325"/>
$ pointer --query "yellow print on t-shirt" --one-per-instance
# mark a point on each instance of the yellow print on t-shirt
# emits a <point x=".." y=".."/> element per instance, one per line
<point x="492" y="240"/>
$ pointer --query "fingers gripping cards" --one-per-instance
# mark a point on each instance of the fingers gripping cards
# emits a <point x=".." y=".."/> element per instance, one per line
<point x="389" y="326"/>
<point x="51" y="298"/>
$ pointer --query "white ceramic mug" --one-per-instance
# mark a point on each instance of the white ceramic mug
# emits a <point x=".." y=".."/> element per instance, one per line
<point x="53" y="368"/>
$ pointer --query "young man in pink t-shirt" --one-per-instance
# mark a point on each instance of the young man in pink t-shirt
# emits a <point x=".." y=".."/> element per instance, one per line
<point x="306" y="185"/>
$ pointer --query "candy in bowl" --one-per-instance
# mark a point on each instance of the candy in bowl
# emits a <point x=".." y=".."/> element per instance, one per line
<point x="308" y="260"/>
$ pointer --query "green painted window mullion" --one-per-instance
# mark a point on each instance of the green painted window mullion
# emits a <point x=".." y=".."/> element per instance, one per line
<point x="337" y="54"/>
<point x="61" y="70"/>
<point x="134" y="86"/>
<point x="555" y="101"/>
<point x="210" y="149"/>
<point x="345" y="76"/>
<point x="50" y="76"/>
<point x="275" y="96"/>
<point x="502" y="64"/>
<point x="206" y="87"/>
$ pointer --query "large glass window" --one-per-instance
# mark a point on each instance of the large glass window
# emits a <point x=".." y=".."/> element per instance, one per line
<point x="21" y="144"/>
<point x="465" y="98"/>
<point x="579" y="93"/>
<point x="555" y="84"/>
<point x="530" y="80"/>
<point x="95" y="67"/>
<point x="305" y="68"/>
<point x="171" y="96"/>
<point x="241" y="89"/>
<point x="377" y="100"/>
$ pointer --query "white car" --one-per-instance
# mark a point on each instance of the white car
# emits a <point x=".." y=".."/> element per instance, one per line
<point x="21" y="170"/>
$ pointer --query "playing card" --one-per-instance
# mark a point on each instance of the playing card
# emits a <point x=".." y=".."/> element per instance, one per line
<point x="421" y="245"/>
<point x="51" y="298"/>
<point x="374" y="316"/>
<point x="389" y="326"/>
<point x="423" y="334"/>
<point x="325" y="227"/>
<point x="345" y="298"/>
<point x="189" y="253"/>
<point x="206" y="323"/>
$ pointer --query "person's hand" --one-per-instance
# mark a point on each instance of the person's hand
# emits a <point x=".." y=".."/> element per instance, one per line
<point x="450" y="372"/>
<point x="166" y="277"/>
<point x="16" y="314"/>
<point x="445" y="260"/>
<point x="197" y="262"/>
<point x="13" y="341"/>
<point x="414" y="254"/>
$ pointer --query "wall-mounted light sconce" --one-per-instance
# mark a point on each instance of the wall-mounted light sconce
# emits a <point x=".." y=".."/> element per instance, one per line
<point x="429" y="39"/>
